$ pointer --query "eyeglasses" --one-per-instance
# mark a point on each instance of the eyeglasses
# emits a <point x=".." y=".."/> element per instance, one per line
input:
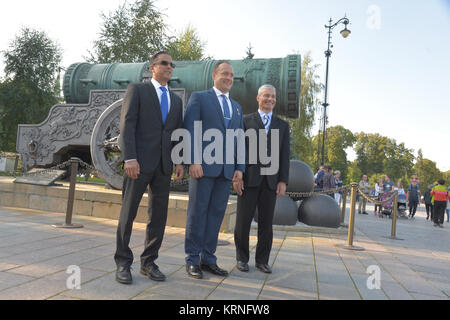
<point x="166" y="63"/>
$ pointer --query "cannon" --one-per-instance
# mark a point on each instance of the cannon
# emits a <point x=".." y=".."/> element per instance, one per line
<point x="87" y="125"/>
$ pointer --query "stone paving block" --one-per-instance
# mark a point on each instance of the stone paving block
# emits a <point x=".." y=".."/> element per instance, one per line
<point x="301" y="277"/>
<point x="331" y="291"/>
<point x="395" y="291"/>
<point x="277" y="293"/>
<point x="6" y="266"/>
<point x="419" y="296"/>
<point x="237" y="288"/>
<point x="156" y="296"/>
<point x="364" y="290"/>
<point x="46" y="287"/>
<point x="107" y="288"/>
<point x="419" y="285"/>
<point x="8" y="279"/>
<point x="184" y="287"/>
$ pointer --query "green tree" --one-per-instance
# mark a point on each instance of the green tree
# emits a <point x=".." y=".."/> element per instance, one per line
<point x="426" y="171"/>
<point x="338" y="139"/>
<point x="354" y="173"/>
<point x="130" y="34"/>
<point x="249" y="53"/>
<point x="310" y="87"/>
<point x="399" y="161"/>
<point x="370" y="152"/>
<point x="31" y="84"/>
<point x="186" y="45"/>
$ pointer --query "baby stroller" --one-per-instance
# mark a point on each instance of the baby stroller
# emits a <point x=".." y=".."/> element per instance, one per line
<point x="386" y="208"/>
<point x="401" y="206"/>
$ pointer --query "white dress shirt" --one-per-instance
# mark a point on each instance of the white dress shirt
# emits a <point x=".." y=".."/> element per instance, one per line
<point x="227" y="95"/>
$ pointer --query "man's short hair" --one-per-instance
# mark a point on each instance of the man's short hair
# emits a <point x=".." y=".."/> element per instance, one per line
<point x="154" y="57"/>
<point x="266" y="86"/>
<point x="441" y="181"/>
<point x="218" y="63"/>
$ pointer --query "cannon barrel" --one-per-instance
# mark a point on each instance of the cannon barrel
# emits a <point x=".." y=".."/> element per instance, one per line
<point x="249" y="74"/>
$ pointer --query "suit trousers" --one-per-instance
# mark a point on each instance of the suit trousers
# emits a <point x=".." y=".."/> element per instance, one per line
<point x="208" y="199"/>
<point x="263" y="198"/>
<point x="132" y="192"/>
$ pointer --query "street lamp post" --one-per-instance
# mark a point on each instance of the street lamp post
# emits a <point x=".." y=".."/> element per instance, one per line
<point x="345" y="32"/>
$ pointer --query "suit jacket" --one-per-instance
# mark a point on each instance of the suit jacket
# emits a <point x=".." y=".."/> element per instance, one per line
<point x="252" y="176"/>
<point x="142" y="133"/>
<point x="204" y="106"/>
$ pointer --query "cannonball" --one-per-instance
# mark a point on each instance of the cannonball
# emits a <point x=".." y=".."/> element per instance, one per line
<point x="285" y="212"/>
<point x="321" y="211"/>
<point x="301" y="177"/>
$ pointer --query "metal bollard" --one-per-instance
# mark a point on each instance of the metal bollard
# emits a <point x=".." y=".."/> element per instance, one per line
<point x="351" y="225"/>
<point x="394" y="219"/>
<point x="71" y="198"/>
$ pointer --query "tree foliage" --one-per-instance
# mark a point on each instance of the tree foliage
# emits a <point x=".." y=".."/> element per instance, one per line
<point x="426" y="171"/>
<point x="310" y="87"/>
<point x="31" y="86"/>
<point x="130" y="34"/>
<point x="186" y="45"/>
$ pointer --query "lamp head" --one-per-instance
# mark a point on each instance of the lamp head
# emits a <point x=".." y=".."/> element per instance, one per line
<point x="345" y="32"/>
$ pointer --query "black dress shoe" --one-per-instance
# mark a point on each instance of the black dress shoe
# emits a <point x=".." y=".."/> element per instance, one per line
<point x="242" y="266"/>
<point x="152" y="271"/>
<point x="123" y="275"/>
<point x="264" y="267"/>
<point x="214" y="269"/>
<point x="194" y="271"/>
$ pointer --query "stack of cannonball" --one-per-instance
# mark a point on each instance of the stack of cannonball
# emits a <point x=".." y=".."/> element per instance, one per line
<point x="301" y="179"/>
<point x="317" y="210"/>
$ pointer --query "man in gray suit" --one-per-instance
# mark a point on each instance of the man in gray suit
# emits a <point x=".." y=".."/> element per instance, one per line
<point x="150" y="113"/>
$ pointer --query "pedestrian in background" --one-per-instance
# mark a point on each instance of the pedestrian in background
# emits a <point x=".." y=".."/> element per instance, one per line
<point x="338" y="183"/>
<point x="448" y="206"/>
<point x="329" y="181"/>
<point x="413" y="197"/>
<point x="377" y="194"/>
<point x="364" y="187"/>
<point x="428" y="204"/>
<point x="441" y="196"/>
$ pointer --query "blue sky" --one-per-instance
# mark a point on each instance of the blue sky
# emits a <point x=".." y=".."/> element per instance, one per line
<point x="390" y="76"/>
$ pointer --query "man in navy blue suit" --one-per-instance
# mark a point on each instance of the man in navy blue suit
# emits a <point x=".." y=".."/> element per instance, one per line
<point x="209" y="185"/>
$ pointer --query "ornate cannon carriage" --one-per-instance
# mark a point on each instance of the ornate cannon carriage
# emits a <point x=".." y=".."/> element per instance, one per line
<point x="87" y="125"/>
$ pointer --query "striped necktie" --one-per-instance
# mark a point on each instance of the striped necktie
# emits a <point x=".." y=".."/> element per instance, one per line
<point x="266" y="122"/>
<point x="226" y="111"/>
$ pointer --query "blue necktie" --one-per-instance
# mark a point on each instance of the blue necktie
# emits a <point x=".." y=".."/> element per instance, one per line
<point x="226" y="111"/>
<point x="164" y="104"/>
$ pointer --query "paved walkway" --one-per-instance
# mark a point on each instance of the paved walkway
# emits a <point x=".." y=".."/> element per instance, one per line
<point x="35" y="258"/>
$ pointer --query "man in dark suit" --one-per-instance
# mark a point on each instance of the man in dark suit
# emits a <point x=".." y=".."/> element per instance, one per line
<point x="209" y="186"/>
<point x="150" y="113"/>
<point x="261" y="190"/>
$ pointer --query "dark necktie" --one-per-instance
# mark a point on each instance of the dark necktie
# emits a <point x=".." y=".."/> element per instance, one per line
<point x="266" y="122"/>
<point x="164" y="104"/>
<point x="226" y="111"/>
